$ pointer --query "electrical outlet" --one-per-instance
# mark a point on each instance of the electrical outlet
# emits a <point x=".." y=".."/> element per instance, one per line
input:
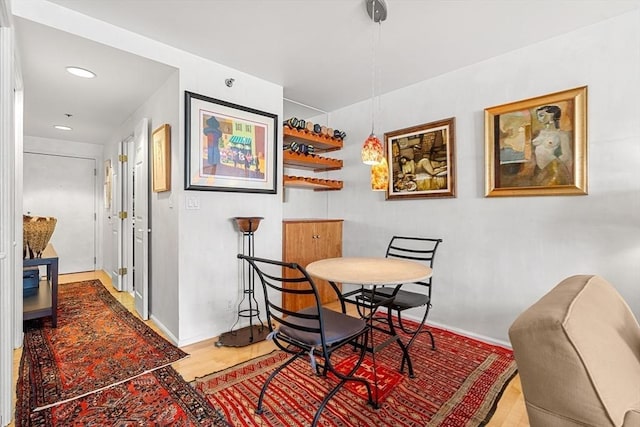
<point x="229" y="305"/>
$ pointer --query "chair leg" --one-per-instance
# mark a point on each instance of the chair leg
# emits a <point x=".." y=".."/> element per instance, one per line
<point x="259" y="409"/>
<point x="405" y="348"/>
<point x="414" y="335"/>
<point x="419" y="329"/>
<point x="343" y="380"/>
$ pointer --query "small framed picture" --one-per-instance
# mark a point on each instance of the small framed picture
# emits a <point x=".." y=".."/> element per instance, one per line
<point x="161" y="158"/>
<point x="422" y="161"/>
<point x="538" y="146"/>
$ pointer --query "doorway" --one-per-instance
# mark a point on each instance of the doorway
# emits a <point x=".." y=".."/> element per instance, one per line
<point x="64" y="187"/>
<point x="129" y="218"/>
<point x="120" y="218"/>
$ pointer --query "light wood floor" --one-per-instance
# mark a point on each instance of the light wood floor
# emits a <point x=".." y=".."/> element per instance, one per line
<point x="206" y="358"/>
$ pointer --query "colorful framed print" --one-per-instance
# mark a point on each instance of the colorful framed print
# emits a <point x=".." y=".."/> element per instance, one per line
<point x="538" y="146"/>
<point x="229" y="147"/>
<point x="422" y="161"/>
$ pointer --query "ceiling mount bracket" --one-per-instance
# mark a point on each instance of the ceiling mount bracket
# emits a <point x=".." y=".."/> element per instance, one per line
<point x="377" y="10"/>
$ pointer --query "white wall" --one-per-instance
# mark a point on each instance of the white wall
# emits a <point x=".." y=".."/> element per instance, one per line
<point x="160" y="108"/>
<point x="208" y="240"/>
<point x="499" y="255"/>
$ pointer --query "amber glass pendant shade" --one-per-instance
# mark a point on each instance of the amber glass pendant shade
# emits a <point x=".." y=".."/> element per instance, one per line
<point x="380" y="176"/>
<point x="372" y="152"/>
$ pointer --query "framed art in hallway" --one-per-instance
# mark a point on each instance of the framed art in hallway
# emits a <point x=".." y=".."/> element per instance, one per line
<point x="229" y="147"/>
<point x="161" y="141"/>
<point x="108" y="174"/>
<point x="422" y="161"/>
<point x="537" y="146"/>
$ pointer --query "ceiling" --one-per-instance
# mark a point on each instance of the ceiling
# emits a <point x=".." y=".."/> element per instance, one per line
<point x="320" y="51"/>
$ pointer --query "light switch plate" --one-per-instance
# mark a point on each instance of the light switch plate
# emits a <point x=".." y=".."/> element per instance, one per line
<point x="192" y="202"/>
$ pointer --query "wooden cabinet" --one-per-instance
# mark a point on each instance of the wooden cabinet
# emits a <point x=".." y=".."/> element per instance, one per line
<point x="308" y="240"/>
<point x="312" y="162"/>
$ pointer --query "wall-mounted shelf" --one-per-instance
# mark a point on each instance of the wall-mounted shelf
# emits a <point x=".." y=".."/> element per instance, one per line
<point x="297" y="160"/>
<point x="315" y="184"/>
<point x="310" y="162"/>
<point x="321" y="143"/>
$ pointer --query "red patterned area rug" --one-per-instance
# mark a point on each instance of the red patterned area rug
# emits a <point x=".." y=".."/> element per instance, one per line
<point x="456" y="385"/>
<point x="97" y="344"/>
<point x="385" y="379"/>
<point x="158" y="398"/>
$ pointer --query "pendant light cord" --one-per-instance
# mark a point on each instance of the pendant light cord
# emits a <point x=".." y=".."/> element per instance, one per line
<point x="374" y="54"/>
<point x="373" y="68"/>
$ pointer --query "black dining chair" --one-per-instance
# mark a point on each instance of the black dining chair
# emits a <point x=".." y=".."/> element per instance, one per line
<point x="314" y="332"/>
<point x="417" y="249"/>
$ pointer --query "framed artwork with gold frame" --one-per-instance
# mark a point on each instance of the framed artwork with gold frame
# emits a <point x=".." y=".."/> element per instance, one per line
<point x="422" y="161"/>
<point x="537" y="146"/>
<point x="161" y="151"/>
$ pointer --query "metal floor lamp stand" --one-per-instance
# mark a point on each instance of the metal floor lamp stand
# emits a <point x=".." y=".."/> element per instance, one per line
<point x="248" y="306"/>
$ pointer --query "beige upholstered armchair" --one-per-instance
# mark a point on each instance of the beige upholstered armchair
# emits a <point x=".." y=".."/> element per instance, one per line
<point x="578" y="355"/>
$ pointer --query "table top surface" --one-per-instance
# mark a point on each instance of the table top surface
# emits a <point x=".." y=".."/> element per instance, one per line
<point x="369" y="271"/>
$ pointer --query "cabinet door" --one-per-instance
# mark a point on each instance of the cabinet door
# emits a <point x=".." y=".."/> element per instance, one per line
<point x="327" y="244"/>
<point x="305" y="242"/>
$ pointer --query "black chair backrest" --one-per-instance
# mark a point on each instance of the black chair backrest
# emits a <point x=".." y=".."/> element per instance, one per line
<point x="414" y="248"/>
<point x="279" y="279"/>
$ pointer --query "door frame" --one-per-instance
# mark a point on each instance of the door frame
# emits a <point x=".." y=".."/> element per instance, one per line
<point x="95" y="189"/>
<point x="11" y="115"/>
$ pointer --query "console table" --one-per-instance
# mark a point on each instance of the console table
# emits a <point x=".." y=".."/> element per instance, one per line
<point x="45" y="301"/>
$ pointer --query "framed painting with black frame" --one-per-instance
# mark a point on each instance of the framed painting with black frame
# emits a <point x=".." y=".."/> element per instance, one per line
<point x="229" y="147"/>
<point x="422" y="161"/>
<point x="538" y="146"/>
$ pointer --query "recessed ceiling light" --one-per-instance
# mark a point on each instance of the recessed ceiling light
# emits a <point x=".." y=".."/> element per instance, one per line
<point x="61" y="127"/>
<point x="81" y="72"/>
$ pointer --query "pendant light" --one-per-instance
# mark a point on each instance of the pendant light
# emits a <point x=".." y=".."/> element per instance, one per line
<point x="372" y="150"/>
<point x="380" y="175"/>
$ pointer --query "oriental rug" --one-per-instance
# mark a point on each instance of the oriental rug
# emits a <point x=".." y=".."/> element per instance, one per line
<point x="458" y="384"/>
<point x="97" y="344"/>
<point x="158" y="398"/>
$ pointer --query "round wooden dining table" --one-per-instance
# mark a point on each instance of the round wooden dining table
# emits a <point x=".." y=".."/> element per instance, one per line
<point x="370" y="271"/>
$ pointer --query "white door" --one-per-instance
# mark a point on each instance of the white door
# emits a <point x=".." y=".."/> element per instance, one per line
<point x="117" y="220"/>
<point x="128" y="170"/>
<point x="64" y="187"/>
<point x="141" y="220"/>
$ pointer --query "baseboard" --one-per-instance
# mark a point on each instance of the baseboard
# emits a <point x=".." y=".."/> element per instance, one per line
<point x="464" y="332"/>
<point x="165" y="331"/>
<point x="483" y="338"/>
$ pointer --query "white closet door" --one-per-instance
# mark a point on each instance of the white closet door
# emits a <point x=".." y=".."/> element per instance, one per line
<point x="141" y="214"/>
<point x="64" y="187"/>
